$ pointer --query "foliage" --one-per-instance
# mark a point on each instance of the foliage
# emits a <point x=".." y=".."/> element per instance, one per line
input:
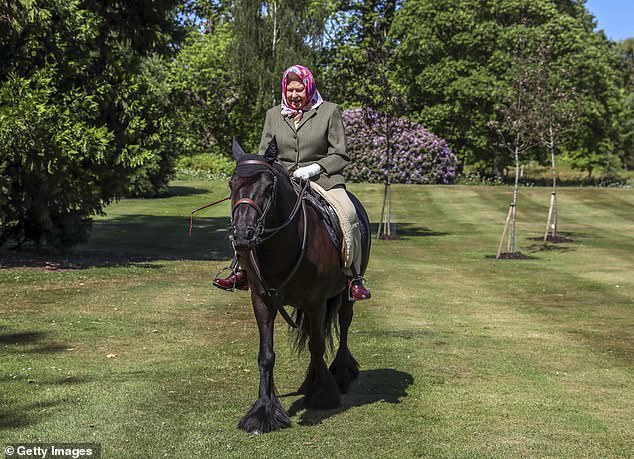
<point x="49" y="161"/>
<point x="80" y="118"/>
<point x="357" y="59"/>
<point x="452" y="60"/>
<point x="209" y="164"/>
<point x="204" y="92"/>
<point x="418" y="156"/>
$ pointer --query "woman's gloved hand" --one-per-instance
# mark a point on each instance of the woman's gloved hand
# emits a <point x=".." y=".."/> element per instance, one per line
<point x="307" y="171"/>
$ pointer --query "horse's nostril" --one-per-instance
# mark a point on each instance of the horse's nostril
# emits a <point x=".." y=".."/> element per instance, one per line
<point x="250" y="233"/>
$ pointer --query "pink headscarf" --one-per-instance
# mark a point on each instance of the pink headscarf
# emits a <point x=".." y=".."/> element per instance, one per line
<point x="312" y="94"/>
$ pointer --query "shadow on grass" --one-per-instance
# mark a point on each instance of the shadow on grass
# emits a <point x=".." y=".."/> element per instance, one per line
<point x="31" y="342"/>
<point x="407" y="230"/>
<point x="372" y="386"/>
<point x="133" y="240"/>
<point x="179" y="190"/>
<point x="14" y="416"/>
<point x="21" y="337"/>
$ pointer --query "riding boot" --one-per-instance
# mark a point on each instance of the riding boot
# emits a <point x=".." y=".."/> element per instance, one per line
<point x="236" y="280"/>
<point x="357" y="289"/>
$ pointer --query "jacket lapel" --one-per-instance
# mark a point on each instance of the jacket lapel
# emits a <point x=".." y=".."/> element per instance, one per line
<point x="308" y="115"/>
<point x="289" y="122"/>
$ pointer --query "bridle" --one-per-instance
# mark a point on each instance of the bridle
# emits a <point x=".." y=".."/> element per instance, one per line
<point x="260" y="229"/>
<point x="262" y="233"/>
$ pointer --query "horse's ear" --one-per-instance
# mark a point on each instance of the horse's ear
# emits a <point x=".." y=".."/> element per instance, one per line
<point x="238" y="152"/>
<point x="271" y="152"/>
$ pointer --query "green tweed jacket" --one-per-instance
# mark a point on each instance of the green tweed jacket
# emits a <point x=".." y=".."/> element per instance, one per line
<point x="319" y="138"/>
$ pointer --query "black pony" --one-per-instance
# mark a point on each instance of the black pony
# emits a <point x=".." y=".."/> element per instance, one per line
<point x="284" y="246"/>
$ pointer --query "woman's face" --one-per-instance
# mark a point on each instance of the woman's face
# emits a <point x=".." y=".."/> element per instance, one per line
<point x="295" y="94"/>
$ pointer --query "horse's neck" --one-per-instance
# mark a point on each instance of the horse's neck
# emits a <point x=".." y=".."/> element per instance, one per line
<point x="287" y="241"/>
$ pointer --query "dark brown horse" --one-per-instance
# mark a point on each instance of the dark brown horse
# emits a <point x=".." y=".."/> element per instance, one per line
<point x="284" y="246"/>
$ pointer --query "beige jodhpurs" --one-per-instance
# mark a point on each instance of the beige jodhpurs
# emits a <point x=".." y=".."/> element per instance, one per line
<point x="351" y="247"/>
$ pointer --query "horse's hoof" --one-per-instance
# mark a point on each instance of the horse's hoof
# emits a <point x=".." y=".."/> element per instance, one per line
<point x="345" y="370"/>
<point x="324" y="396"/>
<point x="265" y="416"/>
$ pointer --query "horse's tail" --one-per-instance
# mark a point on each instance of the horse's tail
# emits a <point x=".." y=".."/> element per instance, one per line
<point x="330" y="326"/>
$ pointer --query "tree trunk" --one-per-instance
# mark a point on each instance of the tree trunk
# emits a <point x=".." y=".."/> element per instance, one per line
<point x="514" y="205"/>
<point x="552" y="157"/>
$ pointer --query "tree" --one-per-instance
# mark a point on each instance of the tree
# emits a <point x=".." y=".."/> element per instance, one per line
<point x="516" y="127"/>
<point x="204" y="91"/>
<point x="77" y="118"/>
<point x="358" y="74"/>
<point x="556" y="104"/>
<point x="269" y="36"/>
<point x="452" y="57"/>
<point x="626" y="141"/>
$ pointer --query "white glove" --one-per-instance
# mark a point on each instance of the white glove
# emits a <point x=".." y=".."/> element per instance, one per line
<point x="307" y="171"/>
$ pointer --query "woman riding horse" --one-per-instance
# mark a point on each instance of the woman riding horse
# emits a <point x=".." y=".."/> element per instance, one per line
<point x="311" y="144"/>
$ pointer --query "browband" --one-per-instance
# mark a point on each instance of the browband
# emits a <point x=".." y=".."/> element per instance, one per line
<point x="253" y="162"/>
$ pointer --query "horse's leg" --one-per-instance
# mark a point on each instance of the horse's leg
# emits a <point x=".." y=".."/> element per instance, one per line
<point x="320" y="388"/>
<point x="344" y="368"/>
<point x="267" y="413"/>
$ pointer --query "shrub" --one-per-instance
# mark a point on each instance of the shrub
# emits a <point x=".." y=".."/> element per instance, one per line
<point x="417" y="155"/>
<point x="206" y="164"/>
<point x="50" y="163"/>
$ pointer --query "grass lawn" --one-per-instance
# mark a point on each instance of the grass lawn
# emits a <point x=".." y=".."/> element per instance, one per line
<point x="463" y="356"/>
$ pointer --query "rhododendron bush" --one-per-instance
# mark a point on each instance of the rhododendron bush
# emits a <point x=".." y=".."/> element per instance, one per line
<point x="417" y="155"/>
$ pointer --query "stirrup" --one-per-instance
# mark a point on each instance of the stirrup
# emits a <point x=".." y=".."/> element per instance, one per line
<point x="234" y="271"/>
<point x="363" y="281"/>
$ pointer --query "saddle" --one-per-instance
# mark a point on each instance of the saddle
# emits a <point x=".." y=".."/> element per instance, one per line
<point x="325" y="211"/>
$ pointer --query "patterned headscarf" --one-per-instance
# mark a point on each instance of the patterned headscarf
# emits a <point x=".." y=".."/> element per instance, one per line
<point x="311" y="91"/>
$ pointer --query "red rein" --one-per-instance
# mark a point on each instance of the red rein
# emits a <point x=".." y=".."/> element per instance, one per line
<point x="191" y="217"/>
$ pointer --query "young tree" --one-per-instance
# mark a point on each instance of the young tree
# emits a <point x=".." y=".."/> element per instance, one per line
<point x="358" y="68"/>
<point x="558" y="108"/>
<point x="517" y="118"/>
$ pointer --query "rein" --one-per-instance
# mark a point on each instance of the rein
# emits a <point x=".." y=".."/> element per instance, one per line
<point x="270" y="232"/>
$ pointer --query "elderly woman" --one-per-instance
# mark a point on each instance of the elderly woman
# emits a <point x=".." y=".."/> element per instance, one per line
<point x="312" y="145"/>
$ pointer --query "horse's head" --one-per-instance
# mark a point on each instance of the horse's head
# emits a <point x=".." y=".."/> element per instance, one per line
<point x="253" y="191"/>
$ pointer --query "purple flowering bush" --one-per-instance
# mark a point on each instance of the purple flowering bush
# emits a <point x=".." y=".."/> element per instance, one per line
<point x="417" y="155"/>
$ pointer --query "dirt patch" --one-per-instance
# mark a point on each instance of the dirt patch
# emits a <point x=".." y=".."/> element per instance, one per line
<point x="558" y="238"/>
<point x="514" y="256"/>
<point x="391" y="237"/>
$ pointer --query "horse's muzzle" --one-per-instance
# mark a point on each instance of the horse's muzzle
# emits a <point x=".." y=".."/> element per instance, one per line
<point x="244" y="239"/>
